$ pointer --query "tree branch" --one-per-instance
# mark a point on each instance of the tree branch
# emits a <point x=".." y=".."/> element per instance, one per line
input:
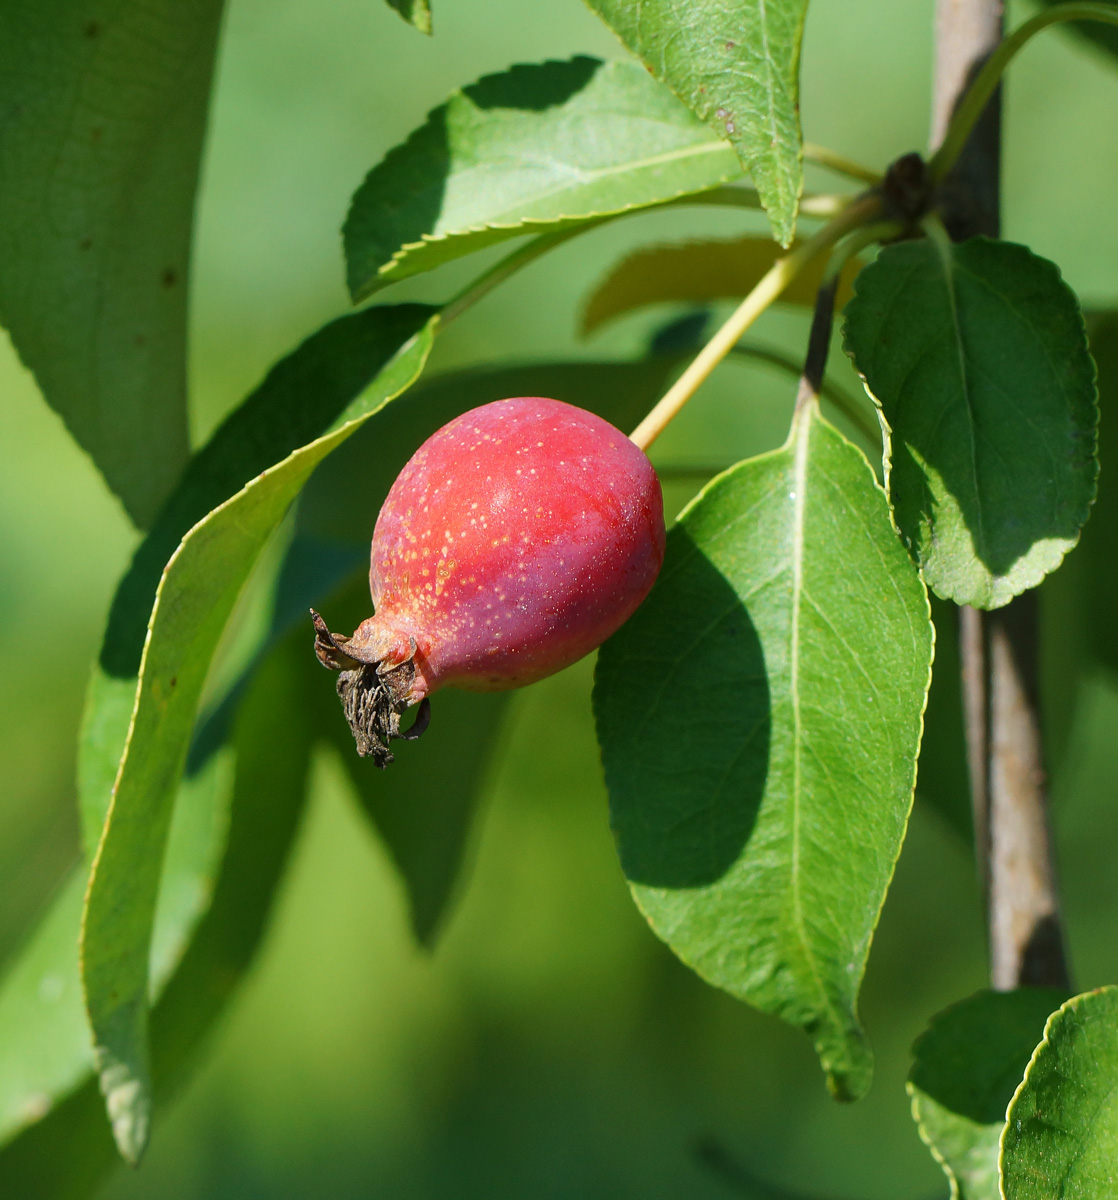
<point x="999" y="649"/>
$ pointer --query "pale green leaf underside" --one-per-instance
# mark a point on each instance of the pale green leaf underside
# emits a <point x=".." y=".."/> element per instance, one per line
<point x="198" y="590"/>
<point x="538" y="148"/>
<point x="966" y="1067"/>
<point x="735" y="63"/>
<point x="102" y="115"/>
<point x="1061" y="1133"/>
<point x="759" y="719"/>
<point x="699" y="272"/>
<point x="978" y="358"/>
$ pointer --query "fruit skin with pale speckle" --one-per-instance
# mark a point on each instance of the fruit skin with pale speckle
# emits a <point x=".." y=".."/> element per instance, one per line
<point x="516" y="540"/>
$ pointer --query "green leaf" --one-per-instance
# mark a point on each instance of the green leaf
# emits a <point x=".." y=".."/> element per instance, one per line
<point x="1095" y="559"/>
<point x="759" y="718"/>
<point x="941" y="779"/>
<point x="1061" y="1132"/>
<point x="415" y="12"/>
<point x="736" y="65"/>
<point x="978" y="358"/>
<point x="300" y="397"/>
<point x="104" y="111"/>
<point x="196" y="595"/>
<point x="1102" y="37"/>
<point x="698" y="272"/>
<point x="45" y="1044"/>
<point x="537" y="148"/>
<point x="966" y="1068"/>
<point x="68" y="1153"/>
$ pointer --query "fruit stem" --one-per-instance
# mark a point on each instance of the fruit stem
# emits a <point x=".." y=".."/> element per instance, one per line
<point x="839" y="163"/>
<point x="986" y="81"/>
<point x="771" y="284"/>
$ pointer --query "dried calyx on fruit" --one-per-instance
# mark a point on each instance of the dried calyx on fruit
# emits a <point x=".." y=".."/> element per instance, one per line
<point x="516" y="540"/>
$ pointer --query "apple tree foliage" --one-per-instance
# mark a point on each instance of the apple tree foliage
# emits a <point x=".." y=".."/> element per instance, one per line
<point x="761" y="716"/>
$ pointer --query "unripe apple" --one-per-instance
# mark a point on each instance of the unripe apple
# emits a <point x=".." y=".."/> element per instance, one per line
<point x="516" y="540"/>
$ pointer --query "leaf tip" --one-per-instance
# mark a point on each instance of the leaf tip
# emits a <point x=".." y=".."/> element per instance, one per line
<point x="127" y="1092"/>
<point x="850" y="1070"/>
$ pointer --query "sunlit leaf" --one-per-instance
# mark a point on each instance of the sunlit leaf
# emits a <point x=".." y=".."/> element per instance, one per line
<point x="196" y="595"/>
<point x="102" y="114"/>
<point x="966" y="1068"/>
<point x="978" y="358"/>
<point x="759" y="718"/>
<point x="736" y="64"/>
<point x="537" y="148"/>
<point x="1061" y="1132"/>
<point x="699" y="272"/>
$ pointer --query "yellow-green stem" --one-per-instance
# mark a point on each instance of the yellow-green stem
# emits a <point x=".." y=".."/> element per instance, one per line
<point x="772" y="283"/>
<point x="986" y="82"/>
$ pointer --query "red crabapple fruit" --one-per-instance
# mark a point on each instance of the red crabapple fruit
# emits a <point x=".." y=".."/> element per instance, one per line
<point x="516" y="540"/>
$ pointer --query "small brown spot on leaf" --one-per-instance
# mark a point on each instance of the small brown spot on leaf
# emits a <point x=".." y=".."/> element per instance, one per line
<point x="169" y="277"/>
<point x="92" y="29"/>
<point x="174" y="680"/>
<point x="85" y="244"/>
<point x="730" y="45"/>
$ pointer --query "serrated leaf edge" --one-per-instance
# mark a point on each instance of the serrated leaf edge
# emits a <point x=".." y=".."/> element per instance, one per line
<point x="378" y="280"/>
<point x="1039" y="572"/>
<point x="691" y="504"/>
<point x="1042" y="1045"/>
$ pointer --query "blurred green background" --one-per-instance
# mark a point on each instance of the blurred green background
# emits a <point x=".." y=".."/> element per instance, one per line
<point x="550" y="1046"/>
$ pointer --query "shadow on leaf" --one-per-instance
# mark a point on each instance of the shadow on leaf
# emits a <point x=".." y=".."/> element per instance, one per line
<point x="690" y="738"/>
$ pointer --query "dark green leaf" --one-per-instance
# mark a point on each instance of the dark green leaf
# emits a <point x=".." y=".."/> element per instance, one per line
<point x="1061" y="1132"/>
<point x="1098" y="562"/>
<point x="1103" y="37"/>
<point x="699" y="272"/>
<point x="941" y="779"/>
<point x="196" y="595"/>
<point x="736" y="64"/>
<point x="424" y="806"/>
<point x="415" y="12"/>
<point x="966" y="1068"/>
<point x="45" y="1045"/>
<point x="537" y="148"/>
<point x="66" y="1155"/>
<point x="977" y="355"/>
<point x="759" y="719"/>
<point x="102" y="115"/>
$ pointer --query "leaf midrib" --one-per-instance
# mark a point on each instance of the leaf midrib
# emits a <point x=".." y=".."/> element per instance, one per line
<point x="588" y="177"/>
